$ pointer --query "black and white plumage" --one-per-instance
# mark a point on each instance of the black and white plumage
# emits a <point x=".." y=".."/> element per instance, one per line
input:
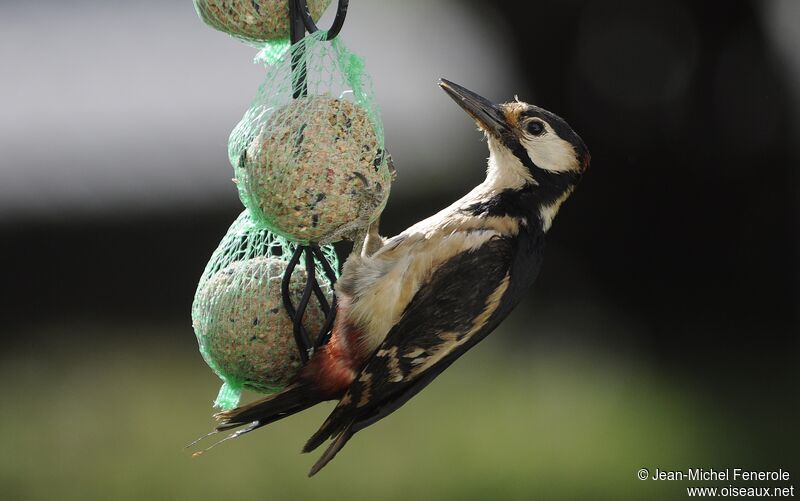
<point x="409" y="306"/>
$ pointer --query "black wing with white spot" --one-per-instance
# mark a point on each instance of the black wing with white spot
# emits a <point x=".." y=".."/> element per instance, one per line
<point x="464" y="301"/>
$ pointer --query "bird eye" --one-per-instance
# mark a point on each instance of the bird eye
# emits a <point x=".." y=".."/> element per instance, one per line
<point x="535" y="128"/>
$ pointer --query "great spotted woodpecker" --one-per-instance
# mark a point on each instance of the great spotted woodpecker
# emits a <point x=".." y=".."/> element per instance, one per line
<point x="410" y="305"/>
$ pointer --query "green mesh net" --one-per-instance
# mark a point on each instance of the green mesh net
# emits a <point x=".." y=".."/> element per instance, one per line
<point x="244" y="332"/>
<point x="313" y="168"/>
<point x="262" y="23"/>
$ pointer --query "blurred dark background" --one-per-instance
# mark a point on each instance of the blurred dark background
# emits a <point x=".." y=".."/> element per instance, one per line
<point x="663" y="330"/>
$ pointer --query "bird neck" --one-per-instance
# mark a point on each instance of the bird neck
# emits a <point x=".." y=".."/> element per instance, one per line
<point x="520" y="189"/>
<point x="505" y="170"/>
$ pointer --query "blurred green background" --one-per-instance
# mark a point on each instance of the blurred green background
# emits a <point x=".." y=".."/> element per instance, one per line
<point x="662" y="332"/>
<point x="508" y="421"/>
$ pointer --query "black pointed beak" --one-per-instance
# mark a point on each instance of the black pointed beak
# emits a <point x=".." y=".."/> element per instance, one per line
<point x="489" y="116"/>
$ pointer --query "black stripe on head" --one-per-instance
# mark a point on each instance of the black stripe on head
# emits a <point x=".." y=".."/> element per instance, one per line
<point x="561" y="127"/>
<point x="549" y="185"/>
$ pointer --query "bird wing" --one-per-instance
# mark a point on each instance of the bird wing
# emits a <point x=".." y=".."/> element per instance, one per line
<point x="460" y="304"/>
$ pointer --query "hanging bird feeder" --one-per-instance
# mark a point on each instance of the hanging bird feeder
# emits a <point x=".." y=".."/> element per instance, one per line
<point x="254" y="21"/>
<point x="311" y="169"/>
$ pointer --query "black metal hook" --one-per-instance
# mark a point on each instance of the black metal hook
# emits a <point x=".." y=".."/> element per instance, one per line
<point x="306" y="345"/>
<point x="300" y="22"/>
<point x="311" y="26"/>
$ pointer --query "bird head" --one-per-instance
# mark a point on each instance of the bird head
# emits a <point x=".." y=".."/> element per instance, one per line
<point x="530" y="148"/>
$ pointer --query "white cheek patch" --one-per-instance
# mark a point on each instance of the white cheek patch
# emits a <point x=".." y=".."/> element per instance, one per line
<point x="550" y="152"/>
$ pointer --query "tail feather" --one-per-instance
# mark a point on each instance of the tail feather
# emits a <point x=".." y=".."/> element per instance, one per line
<point x="329" y="429"/>
<point x="293" y="399"/>
<point x="334" y="449"/>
